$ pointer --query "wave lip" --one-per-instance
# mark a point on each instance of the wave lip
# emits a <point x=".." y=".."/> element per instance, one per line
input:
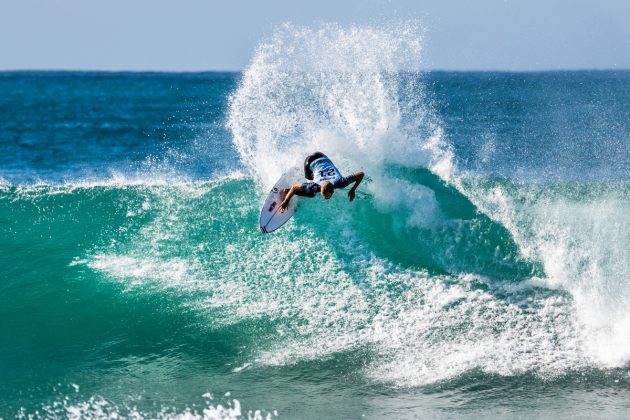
<point x="337" y="90"/>
<point x="580" y="235"/>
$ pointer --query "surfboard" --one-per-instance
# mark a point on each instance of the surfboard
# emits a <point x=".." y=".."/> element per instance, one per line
<point x="270" y="216"/>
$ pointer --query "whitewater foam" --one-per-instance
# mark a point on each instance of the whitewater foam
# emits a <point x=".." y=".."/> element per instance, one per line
<point x="97" y="407"/>
<point x="579" y="233"/>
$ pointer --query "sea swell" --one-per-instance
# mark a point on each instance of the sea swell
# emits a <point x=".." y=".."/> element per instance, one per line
<point x="313" y="291"/>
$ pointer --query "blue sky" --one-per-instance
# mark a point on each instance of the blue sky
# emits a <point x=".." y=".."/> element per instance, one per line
<point x="193" y="35"/>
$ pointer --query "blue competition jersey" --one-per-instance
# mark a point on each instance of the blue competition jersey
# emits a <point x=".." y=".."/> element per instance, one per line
<point x="324" y="170"/>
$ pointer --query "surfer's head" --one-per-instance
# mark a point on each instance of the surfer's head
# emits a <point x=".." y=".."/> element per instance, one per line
<point x="327" y="190"/>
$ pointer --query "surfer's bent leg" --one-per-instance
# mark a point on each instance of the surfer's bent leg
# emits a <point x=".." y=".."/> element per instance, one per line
<point x="308" y="174"/>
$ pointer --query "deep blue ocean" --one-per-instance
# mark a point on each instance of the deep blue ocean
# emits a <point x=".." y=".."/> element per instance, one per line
<point x="484" y="269"/>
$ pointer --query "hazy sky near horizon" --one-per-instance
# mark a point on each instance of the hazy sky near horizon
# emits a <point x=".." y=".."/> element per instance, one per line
<point x="195" y="35"/>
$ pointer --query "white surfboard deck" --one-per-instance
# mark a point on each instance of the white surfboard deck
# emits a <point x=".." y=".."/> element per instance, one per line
<point x="270" y="216"/>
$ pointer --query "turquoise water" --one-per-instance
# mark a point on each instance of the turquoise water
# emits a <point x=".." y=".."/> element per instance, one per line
<point x="482" y="269"/>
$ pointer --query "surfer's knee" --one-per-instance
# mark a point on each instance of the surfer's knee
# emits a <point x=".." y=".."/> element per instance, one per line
<point x="308" y="174"/>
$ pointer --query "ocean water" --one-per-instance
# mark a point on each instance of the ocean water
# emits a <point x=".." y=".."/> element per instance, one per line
<point x="483" y="270"/>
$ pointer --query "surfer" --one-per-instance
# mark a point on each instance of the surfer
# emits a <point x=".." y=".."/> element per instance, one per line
<point x="324" y="177"/>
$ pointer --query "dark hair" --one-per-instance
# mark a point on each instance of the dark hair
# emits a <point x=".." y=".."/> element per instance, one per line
<point x="327" y="188"/>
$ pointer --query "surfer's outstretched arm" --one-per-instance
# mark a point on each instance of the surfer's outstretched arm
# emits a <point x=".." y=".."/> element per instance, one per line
<point x="287" y="198"/>
<point x="358" y="178"/>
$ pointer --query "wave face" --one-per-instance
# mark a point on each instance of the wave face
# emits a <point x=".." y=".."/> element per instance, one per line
<point x="363" y="102"/>
<point x="482" y="266"/>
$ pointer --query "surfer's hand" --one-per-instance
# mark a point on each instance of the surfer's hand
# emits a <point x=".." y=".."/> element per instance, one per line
<point x="351" y="195"/>
<point x="283" y="206"/>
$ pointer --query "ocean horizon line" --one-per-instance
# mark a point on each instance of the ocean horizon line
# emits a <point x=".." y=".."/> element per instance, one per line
<point x="193" y="72"/>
